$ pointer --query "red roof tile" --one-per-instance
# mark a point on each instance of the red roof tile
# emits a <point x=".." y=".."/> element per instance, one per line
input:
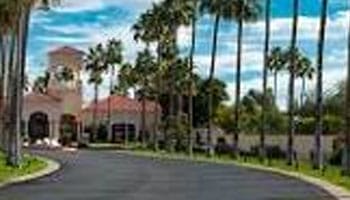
<point x="122" y="104"/>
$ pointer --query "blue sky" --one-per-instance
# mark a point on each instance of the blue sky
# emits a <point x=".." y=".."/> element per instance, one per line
<point x="84" y="23"/>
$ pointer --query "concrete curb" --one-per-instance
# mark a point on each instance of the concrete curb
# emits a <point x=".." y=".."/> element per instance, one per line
<point x="336" y="191"/>
<point x="52" y="166"/>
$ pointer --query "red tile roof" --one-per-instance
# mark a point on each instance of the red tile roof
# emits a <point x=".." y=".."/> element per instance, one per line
<point x="66" y="50"/>
<point x="122" y="104"/>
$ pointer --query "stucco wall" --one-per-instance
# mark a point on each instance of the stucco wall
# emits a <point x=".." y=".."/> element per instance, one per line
<point x="303" y="143"/>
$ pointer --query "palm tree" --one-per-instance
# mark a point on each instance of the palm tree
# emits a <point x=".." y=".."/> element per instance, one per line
<point x="14" y="19"/>
<point x="265" y="74"/>
<point x="64" y="75"/>
<point x="292" y="74"/>
<point x="246" y="11"/>
<point x="96" y="67"/>
<point x="318" y="158"/>
<point x="346" y="162"/>
<point x="113" y="55"/>
<point x="215" y="8"/>
<point x="191" y="81"/>
<point x="41" y="83"/>
<point x="144" y="71"/>
<point x="276" y="64"/>
<point x="305" y="72"/>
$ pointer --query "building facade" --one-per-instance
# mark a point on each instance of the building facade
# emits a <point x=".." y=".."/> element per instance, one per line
<point x="48" y="116"/>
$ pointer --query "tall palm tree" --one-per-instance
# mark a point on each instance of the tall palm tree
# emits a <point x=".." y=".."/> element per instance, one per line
<point x="14" y="19"/>
<point x="96" y="67"/>
<point x="318" y="158"/>
<point x="246" y="11"/>
<point x="305" y="72"/>
<point x="144" y="71"/>
<point x="191" y="81"/>
<point x="276" y="64"/>
<point x="113" y="56"/>
<point x="216" y="9"/>
<point x="291" y="90"/>
<point x="346" y="162"/>
<point x="265" y="74"/>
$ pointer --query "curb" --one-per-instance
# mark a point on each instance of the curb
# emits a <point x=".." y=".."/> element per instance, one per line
<point x="52" y="166"/>
<point x="337" y="192"/>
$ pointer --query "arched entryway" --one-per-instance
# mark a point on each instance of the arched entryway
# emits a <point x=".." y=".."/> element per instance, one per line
<point x="38" y="126"/>
<point x="122" y="130"/>
<point x="68" y="129"/>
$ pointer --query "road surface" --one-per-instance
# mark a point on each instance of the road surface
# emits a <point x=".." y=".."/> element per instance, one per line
<point x="107" y="175"/>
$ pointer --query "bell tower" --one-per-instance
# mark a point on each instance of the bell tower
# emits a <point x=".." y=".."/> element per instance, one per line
<point x="70" y="92"/>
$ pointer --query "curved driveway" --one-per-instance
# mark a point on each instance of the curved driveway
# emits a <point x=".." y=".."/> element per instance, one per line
<point x="104" y="175"/>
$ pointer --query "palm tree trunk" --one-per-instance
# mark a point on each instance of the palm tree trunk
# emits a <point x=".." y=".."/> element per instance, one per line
<point x="109" y="122"/>
<point x="2" y="81"/>
<point x="265" y="73"/>
<point x="211" y="77"/>
<point x="346" y="162"/>
<point x="275" y="82"/>
<point x="157" y="101"/>
<point x="143" y="118"/>
<point x="318" y="158"/>
<point x="11" y="100"/>
<point x="4" y="93"/>
<point x="291" y="121"/>
<point x="94" y="115"/>
<point x="238" y="88"/>
<point x="191" y="82"/>
<point x="303" y="90"/>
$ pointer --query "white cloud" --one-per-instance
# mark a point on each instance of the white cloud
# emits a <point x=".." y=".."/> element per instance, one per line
<point x="90" y="5"/>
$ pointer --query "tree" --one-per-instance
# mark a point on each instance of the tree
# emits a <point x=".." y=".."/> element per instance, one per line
<point x="150" y="28"/>
<point x="191" y="82"/>
<point x="347" y="114"/>
<point x="318" y="158"/>
<point x="41" y="83"/>
<point x="305" y="71"/>
<point x="276" y="64"/>
<point x="96" y="67"/>
<point x="64" y="75"/>
<point x="14" y="17"/>
<point x="265" y="74"/>
<point x="114" y="57"/>
<point x="291" y="90"/>
<point x="246" y="11"/>
<point x="219" y="9"/>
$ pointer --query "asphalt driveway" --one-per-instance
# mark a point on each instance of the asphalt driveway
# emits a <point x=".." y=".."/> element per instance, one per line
<point x="106" y="175"/>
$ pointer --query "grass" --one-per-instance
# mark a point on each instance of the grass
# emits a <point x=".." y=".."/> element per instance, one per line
<point x="331" y="174"/>
<point x="29" y="165"/>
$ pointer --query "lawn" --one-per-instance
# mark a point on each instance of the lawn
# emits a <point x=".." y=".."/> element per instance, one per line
<point x="30" y="165"/>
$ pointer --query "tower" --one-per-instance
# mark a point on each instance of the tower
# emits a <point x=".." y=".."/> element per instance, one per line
<point x="70" y="92"/>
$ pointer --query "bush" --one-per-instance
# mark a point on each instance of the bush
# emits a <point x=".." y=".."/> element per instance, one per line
<point x="222" y="147"/>
<point x="331" y="125"/>
<point x="272" y="152"/>
<point x="336" y="157"/>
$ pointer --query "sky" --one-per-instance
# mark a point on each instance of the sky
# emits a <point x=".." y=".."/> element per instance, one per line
<point x="82" y="24"/>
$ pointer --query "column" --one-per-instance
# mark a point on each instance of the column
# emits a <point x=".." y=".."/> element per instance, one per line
<point x="78" y="131"/>
<point x="25" y="138"/>
<point x="54" y="133"/>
